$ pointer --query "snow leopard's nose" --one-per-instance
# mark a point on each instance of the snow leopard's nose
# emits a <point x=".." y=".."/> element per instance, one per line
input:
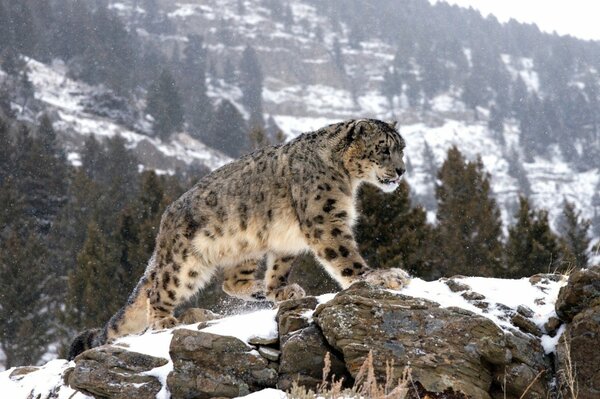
<point x="400" y="171"/>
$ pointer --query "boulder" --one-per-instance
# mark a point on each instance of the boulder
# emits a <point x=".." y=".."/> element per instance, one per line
<point x="446" y="348"/>
<point x="581" y="292"/>
<point x="303" y="346"/>
<point x="207" y="365"/>
<point x="113" y="372"/>
<point x="577" y="359"/>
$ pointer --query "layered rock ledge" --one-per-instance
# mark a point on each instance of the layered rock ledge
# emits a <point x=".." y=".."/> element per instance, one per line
<point x="460" y="338"/>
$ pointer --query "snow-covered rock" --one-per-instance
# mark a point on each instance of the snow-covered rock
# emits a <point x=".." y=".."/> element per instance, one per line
<point x="464" y="333"/>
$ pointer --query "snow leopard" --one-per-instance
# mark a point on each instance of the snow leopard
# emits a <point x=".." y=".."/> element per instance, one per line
<point x="269" y="206"/>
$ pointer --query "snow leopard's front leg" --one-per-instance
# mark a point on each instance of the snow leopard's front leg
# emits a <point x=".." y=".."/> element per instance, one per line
<point x="332" y="242"/>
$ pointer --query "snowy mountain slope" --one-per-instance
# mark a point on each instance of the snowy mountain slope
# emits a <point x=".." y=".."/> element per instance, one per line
<point x="305" y="90"/>
<point x="539" y="297"/>
<point x="77" y="111"/>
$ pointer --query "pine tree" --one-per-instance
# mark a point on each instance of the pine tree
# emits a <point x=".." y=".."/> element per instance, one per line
<point x="251" y="83"/>
<point x="574" y="232"/>
<point x="195" y="60"/>
<point x="391" y="232"/>
<point x="469" y="229"/>
<point x="92" y="295"/>
<point x="164" y="105"/>
<point x="496" y="123"/>
<point x="138" y="226"/>
<point x="532" y="247"/>
<point x="228" y="130"/>
<point x="25" y="332"/>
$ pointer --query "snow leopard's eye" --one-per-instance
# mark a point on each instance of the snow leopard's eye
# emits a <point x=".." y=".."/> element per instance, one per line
<point x="386" y="151"/>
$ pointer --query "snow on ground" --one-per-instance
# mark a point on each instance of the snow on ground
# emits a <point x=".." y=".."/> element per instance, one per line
<point x="268" y="393"/>
<point x="503" y="297"/>
<point x="259" y="324"/>
<point x="500" y="294"/>
<point x="39" y="383"/>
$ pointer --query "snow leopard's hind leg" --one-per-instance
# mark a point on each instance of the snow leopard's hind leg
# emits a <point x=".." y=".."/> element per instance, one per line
<point x="243" y="280"/>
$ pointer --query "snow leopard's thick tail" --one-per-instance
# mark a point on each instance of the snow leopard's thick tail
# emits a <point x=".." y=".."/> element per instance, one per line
<point x="87" y="339"/>
<point x="130" y="319"/>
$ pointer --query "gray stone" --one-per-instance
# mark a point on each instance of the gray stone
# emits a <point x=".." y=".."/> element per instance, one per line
<point x="526" y="325"/>
<point x="197" y="315"/>
<point x="302" y="357"/>
<point x="207" y="365"/>
<point x="269" y="353"/>
<point x="581" y="292"/>
<point x="112" y="372"/>
<point x="446" y="348"/>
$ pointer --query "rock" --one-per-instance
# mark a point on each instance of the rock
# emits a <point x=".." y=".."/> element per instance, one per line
<point x="112" y="372"/>
<point x="552" y="325"/>
<point x="21" y="371"/>
<point x="291" y="315"/>
<point x="517" y="379"/>
<point x="269" y="353"/>
<point x="302" y="359"/>
<point x="197" y="315"/>
<point x="472" y="296"/>
<point x="456" y="286"/>
<point x="577" y="356"/>
<point x="445" y="347"/>
<point x="581" y="292"/>
<point x="526" y="325"/>
<point x="525" y="311"/>
<point x="263" y="341"/>
<point x="207" y="365"/>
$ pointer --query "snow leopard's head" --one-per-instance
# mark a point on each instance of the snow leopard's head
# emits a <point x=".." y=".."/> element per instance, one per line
<point x="375" y="153"/>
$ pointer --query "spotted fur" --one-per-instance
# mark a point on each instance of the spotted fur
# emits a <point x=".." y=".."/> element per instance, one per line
<point x="272" y="204"/>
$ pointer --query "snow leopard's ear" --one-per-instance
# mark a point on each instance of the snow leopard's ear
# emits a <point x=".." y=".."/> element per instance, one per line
<point x="356" y="131"/>
<point x="392" y="124"/>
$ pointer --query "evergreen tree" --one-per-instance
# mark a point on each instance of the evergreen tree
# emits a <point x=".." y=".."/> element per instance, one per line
<point x="138" y="226"/>
<point x="496" y="123"/>
<point x="258" y="138"/>
<point x="228" y="131"/>
<point x="516" y="170"/>
<point x="391" y="86"/>
<point x="532" y="247"/>
<point x="574" y="231"/>
<point x="164" y="105"/>
<point x="251" y="83"/>
<point x="110" y="55"/>
<point x="25" y="332"/>
<point x="92" y="295"/>
<point x="391" y="232"/>
<point x="596" y="206"/>
<point x="469" y="229"/>
<point x="195" y="60"/>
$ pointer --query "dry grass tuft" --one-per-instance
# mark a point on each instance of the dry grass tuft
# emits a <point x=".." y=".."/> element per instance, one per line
<point x="365" y="384"/>
<point x="567" y="375"/>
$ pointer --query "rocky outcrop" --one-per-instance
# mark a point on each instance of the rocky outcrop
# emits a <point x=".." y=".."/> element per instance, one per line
<point x="444" y="347"/>
<point x="578" y="352"/>
<point x="208" y="365"/>
<point x="482" y="349"/>
<point x="113" y="372"/>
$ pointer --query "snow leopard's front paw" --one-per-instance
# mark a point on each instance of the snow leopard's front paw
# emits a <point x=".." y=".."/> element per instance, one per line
<point x="292" y="291"/>
<point x="164" y="323"/>
<point x="393" y="278"/>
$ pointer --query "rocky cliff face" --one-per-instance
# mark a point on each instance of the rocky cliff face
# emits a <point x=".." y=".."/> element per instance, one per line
<point x="454" y="336"/>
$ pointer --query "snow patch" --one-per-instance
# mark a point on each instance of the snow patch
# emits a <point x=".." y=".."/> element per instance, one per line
<point x="43" y="382"/>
